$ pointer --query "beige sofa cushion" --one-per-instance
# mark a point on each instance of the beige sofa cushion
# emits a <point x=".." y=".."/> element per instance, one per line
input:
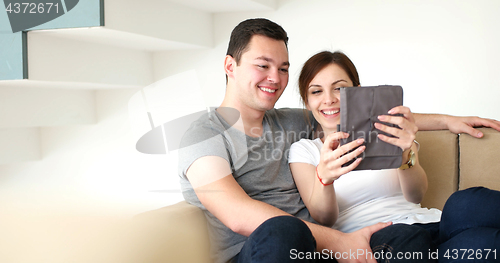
<point x="176" y="233"/>
<point x="479" y="160"/>
<point x="438" y="156"/>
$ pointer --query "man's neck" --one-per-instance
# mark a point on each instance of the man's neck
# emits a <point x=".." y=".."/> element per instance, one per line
<point x="250" y="120"/>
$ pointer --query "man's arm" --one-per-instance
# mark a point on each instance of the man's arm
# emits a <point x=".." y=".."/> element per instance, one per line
<point x="227" y="201"/>
<point x="219" y="192"/>
<point x="455" y="124"/>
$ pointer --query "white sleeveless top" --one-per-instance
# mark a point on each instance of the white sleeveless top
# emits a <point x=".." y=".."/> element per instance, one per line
<point x="366" y="197"/>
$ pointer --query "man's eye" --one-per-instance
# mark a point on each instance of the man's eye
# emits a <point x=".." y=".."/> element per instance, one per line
<point x="284" y="70"/>
<point x="262" y="66"/>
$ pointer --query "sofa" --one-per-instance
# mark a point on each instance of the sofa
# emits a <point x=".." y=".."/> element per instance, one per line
<point x="178" y="233"/>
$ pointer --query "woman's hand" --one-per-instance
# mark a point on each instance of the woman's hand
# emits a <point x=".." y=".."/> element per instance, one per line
<point x="403" y="137"/>
<point x="333" y="157"/>
<point x="414" y="180"/>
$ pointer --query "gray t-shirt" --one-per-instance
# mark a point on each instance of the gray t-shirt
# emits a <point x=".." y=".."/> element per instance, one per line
<point x="259" y="165"/>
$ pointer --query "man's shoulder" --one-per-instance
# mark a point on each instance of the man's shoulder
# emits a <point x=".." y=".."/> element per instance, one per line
<point x="286" y="112"/>
<point x="204" y="137"/>
<point x="206" y="126"/>
<point x="292" y="118"/>
<point x="206" y="121"/>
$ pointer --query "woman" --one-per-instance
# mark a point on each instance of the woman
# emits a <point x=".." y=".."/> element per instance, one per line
<point x="362" y="198"/>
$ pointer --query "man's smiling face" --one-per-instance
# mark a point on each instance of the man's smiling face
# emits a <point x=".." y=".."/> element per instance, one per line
<point x="262" y="73"/>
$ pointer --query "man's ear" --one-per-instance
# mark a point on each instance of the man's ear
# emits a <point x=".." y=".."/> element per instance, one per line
<point x="229" y="65"/>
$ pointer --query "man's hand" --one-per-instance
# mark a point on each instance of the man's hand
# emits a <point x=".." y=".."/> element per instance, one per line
<point x="353" y="247"/>
<point x="466" y="125"/>
<point x="456" y="124"/>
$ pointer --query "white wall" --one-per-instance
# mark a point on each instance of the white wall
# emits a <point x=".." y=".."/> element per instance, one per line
<point x="444" y="54"/>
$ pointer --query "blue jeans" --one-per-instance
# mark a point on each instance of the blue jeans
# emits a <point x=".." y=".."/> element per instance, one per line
<point x="275" y="240"/>
<point x="402" y="243"/>
<point x="288" y="239"/>
<point x="470" y="221"/>
<point x="469" y="230"/>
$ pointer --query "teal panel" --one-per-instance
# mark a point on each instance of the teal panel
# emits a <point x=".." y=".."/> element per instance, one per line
<point x="86" y="13"/>
<point x="13" y="56"/>
<point x="25" y="15"/>
<point x="13" y="46"/>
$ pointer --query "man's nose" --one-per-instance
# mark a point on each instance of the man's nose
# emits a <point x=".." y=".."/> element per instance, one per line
<point x="273" y="76"/>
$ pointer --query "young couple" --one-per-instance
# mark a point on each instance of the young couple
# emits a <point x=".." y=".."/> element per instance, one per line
<point x="232" y="166"/>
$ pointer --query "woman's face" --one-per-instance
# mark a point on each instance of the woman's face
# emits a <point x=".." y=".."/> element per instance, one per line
<point x="323" y="96"/>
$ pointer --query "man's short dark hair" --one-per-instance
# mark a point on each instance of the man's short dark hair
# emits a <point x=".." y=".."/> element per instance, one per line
<point x="243" y="32"/>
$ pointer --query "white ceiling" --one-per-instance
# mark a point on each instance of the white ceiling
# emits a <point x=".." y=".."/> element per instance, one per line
<point x="105" y="36"/>
<point x="219" y="6"/>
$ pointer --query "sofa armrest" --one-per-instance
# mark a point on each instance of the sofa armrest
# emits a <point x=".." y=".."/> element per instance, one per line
<point x="479" y="160"/>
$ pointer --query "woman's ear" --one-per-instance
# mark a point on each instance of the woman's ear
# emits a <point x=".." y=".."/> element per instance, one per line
<point x="307" y="106"/>
<point x="229" y="64"/>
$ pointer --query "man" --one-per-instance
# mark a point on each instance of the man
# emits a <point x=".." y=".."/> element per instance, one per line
<point x="233" y="162"/>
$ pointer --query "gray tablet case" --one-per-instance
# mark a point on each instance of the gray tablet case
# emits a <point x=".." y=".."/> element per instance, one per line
<point x="359" y="111"/>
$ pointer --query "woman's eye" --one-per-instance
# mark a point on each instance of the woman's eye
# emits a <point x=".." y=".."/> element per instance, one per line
<point x="316" y="92"/>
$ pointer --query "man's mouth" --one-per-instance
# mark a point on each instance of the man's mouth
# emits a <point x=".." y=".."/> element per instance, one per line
<point x="267" y="90"/>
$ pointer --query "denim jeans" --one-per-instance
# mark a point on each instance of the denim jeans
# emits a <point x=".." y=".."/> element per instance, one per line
<point x="402" y="243"/>
<point x="276" y="240"/>
<point x="288" y="239"/>
<point x="469" y="229"/>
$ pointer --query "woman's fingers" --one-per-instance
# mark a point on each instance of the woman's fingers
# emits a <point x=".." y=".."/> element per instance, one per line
<point x="351" y="166"/>
<point x="336" y="167"/>
<point x="405" y="111"/>
<point x="345" y="154"/>
<point x="403" y="144"/>
<point x="333" y="160"/>
<point x="402" y="139"/>
<point x="405" y="134"/>
<point x="399" y="133"/>
<point x="331" y="141"/>
<point x="402" y="122"/>
<point x="407" y="121"/>
<point x="348" y="147"/>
